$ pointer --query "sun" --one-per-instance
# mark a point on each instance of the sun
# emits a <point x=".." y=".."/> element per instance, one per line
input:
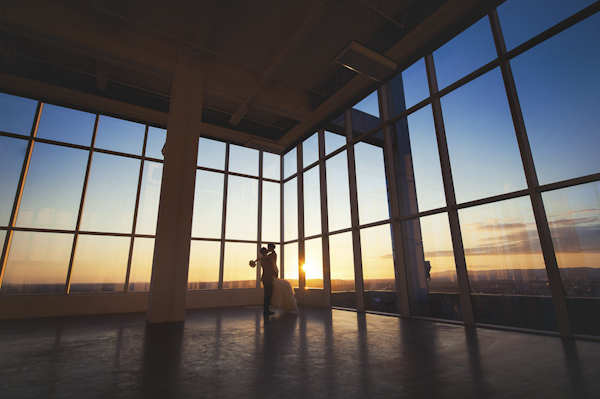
<point x="312" y="270"/>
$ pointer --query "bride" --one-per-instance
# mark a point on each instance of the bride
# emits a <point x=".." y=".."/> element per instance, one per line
<point x="283" y="293"/>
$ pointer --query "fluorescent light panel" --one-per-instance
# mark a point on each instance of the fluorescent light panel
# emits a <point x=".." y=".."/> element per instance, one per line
<point x="357" y="57"/>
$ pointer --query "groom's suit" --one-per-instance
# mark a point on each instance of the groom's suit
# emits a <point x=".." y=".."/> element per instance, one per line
<point x="268" y="273"/>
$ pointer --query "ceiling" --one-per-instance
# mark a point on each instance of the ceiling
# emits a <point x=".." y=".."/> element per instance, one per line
<point x="270" y="75"/>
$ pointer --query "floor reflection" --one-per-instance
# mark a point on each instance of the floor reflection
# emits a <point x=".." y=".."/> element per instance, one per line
<point x="317" y="353"/>
<point x="161" y="360"/>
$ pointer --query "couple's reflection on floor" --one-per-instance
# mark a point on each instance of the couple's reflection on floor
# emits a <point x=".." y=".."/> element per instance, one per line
<point x="276" y="347"/>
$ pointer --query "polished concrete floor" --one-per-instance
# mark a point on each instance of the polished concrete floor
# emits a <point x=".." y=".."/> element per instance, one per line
<point x="318" y="353"/>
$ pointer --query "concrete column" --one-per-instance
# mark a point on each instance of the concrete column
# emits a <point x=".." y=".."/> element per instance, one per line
<point x="168" y="290"/>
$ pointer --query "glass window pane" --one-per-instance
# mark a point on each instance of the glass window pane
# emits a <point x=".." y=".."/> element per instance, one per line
<point x="408" y="88"/>
<point x="157" y="138"/>
<point x="521" y="20"/>
<point x="243" y="160"/>
<point x="271" y="166"/>
<point x="291" y="266"/>
<point x="335" y="134"/>
<point x="242" y="209"/>
<point x="433" y="287"/>
<point x="205" y="260"/>
<point x="420" y="185"/>
<point x="290" y="163"/>
<point x="16" y="114"/>
<point x="481" y="139"/>
<point x="312" y="202"/>
<point x="341" y="266"/>
<point x="207" y="221"/>
<point x="333" y="141"/>
<point x="504" y="260"/>
<point x="100" y="264"/>
<point x="12" y="154"/>
<point x="313" y="263"/>
<point x="271" y="212"/>
<point x="53" y="188"/>
<point x="290" y="210"/>
<point x="338" y="192"/>
<point x="574" y="218"/>
<point x="467" y="52"/>
<point x="120" y="135"/>
<point x="365" y="115"/>
<point x="369" y="105"/>
<point x="147" y="216"/>
<point x="37" y="263"/>
<point x="559" y="99"/>
<point x="310" y="150"/>
<point x="236" y="271"/>
<point x="141" y="265"/>
<point x="371" y="183"/>
<point x="414" y="80"/>
<point x="111" y="192"/>
<point x="2" y="238"/>
<point x="66" y="125"/>
<point x="211" y="154"/>
<point x="378" y="269"/>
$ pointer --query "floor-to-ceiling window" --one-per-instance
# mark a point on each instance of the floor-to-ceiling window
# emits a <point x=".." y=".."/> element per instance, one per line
<point x="237" y="209"/>
<point x="79" y="204"/>
<point x="491" y="144"/>
<point x="79" y="199"/>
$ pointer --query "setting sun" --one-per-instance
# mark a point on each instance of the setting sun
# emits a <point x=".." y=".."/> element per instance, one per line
<point x="311" y="270"/>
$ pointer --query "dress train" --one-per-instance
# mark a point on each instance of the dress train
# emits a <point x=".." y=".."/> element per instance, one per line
<point x="283" y="296"/>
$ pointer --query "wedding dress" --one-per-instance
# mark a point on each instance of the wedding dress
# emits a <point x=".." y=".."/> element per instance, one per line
<point x="283" y="296"/>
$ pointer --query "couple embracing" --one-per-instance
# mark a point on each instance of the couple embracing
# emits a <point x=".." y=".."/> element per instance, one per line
<point x="278" y="292"/>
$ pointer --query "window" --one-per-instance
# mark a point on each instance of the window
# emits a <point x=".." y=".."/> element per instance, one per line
<point x="55" y="171"/>
<point x="66" y="125"/>
<point x="16" y="114"/>
<point x="12" y="156"/>
<point x="467" y="52"/>
<point x="521" y="20"/>
<point x="312" y="202"/>
<point x="484" y="154"/>
<point x="53" y="188"/>
<point x="338" y="192"/>
<point x="370" y="183"/>
<point x="559" y="101"/>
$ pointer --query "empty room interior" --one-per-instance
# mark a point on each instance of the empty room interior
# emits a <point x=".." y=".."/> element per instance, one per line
<point x="428" y="172"/>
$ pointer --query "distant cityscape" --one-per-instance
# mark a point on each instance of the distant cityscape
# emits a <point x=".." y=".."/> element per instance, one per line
<point x="577" y="282"/>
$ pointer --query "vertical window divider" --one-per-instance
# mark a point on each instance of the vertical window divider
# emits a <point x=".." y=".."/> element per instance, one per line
<point x="356" y="245"/>
<point x="81" y="204"/>
<point x="324" y="220"/>
<point x="260" y="218"/>
<point x="537" y="203"/>
<point x="19" y="191"/>
<point x="135" y="211"/>
<point x="281" y="256"/>
<point x="455" y="231"/>
<point x="300" y="195"/>
<point x="224" y="215"/>
<point x="402" y="296"/>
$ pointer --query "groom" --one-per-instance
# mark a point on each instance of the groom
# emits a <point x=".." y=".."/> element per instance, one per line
<point x="268" y="273"/>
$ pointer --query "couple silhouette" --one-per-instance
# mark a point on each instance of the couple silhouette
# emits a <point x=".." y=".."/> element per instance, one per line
<point x="278" y="293"/>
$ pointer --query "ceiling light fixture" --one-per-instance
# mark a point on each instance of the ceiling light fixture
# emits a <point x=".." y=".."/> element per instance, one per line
<point x="357" y="57"/>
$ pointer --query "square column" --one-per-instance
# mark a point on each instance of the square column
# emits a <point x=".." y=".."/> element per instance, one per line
<point x="168" y="289"/>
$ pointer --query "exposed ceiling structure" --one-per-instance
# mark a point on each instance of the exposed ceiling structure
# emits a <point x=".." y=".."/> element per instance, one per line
<point x="270" y="73"/>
